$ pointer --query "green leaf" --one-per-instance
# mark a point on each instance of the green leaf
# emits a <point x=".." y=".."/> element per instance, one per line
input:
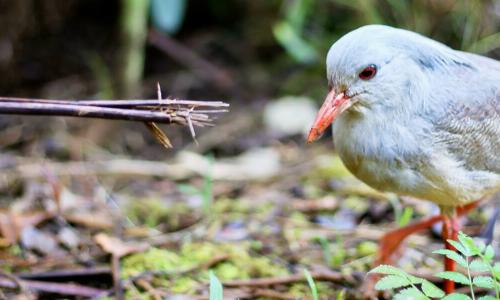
<point x="460" y="248"/>
<point x="489" y="253"/>
<point x="341" y="295"/>
<point x="388" y="270"/>
<point x="454" y="276"/>
<point x="486" y="44"/>
<point x="414" y="279"/>
<point x="479" y="266"/>
<point x="297" y="12"/>
<point x="481" y="245"/>
<point x="453" y="256"/>
<point x="484" y="282"/>
<point x="487" y="297"/>
<point x="391" y="282"/>
<point x="295" y="45"/>
<point x="456" y="296"/>
<point x="312" y="285"/>
<point x="430" y="290"/>
<point x="405" y="217"/>
<point x="215" y="287"/>
<point x="496" y="270"/>
<point x="410" y="293"/>
<point x="468" y="243"/>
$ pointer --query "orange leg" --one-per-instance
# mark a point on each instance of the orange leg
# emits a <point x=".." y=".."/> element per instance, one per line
<point x="450" y="232"/>
<point x="392" y="240"/>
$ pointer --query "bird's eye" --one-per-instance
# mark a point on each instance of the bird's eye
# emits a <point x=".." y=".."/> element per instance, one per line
<point x="368" y="72"/>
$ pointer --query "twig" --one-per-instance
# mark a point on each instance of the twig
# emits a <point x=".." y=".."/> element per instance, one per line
<point x="160" y="136"/>
<point x="274" y="294"/>
<point x="150" y="289"/>
<point x="120" y="103"/>
<point x="260" y="282"/>
<point x="117" y="283"/>
<point x="72" y="110"/>
<point x="61" y="274"/>
<point x="53" y="287"/>
<point x="14" y="279"/>
<point x="166" y="111"/>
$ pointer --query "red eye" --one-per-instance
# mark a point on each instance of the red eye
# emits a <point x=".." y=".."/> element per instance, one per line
<point x="368" y="72"/>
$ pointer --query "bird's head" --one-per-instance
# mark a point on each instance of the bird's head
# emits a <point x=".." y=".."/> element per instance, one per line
<point x="376" y="68"/>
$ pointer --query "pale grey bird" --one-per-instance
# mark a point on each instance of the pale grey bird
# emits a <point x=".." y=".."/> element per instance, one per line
<point x="414" y="117"/>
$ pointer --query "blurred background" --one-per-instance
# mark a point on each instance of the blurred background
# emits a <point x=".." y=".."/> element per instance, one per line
<point x="65" y="181"/>
<point x="244" y="52"/>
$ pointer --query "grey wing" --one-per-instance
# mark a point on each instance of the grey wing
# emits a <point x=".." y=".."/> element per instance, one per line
<point x="471" y="132"/>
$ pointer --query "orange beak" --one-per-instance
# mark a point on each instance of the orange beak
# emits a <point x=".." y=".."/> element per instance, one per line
<point x="333" y="106"/>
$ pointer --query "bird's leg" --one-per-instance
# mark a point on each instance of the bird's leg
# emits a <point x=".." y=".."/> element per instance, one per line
<point x="450" y="232"/>
<point x="391" y="241"/>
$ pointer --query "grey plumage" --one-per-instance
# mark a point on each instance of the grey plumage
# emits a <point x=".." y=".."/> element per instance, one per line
<point x="427" y="125"/>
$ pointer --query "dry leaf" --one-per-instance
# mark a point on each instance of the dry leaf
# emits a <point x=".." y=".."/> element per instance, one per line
<point x="159" y="135"/>
<point x="117" y="247"/>
<point x="12" y="224"/>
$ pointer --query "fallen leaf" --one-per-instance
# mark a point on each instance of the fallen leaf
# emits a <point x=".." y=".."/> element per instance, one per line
<point x="12" y="224"/>
<point x="117" y="247"/>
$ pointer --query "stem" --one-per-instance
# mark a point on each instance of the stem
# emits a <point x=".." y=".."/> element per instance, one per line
<point x="415" y="287"/>
<point x="470" y="279"/>
<point x="134" y="30"/>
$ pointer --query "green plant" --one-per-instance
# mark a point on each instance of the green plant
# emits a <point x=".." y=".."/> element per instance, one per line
<point x="216" y="292"/>
<point x="403" y="216"/>
<point x="333" y="257"/>
<point x="289" y="32"/>
<point x="471" y="256"/>
<point x="312" y="284"/>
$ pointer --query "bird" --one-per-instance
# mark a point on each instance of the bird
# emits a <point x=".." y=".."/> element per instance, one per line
<point x="417" y="118"/>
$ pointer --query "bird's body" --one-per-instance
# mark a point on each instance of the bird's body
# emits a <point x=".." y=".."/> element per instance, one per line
<point x="415" y="117"/>
<point x="436" y="134"/>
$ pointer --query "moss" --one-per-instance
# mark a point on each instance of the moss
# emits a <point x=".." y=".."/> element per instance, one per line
<point x="228" y="271"/>
<point x="239" y="265"/>
<point x="153" y="259"/>
<point x="184" y="285"/>
<point x="302" y="290"/>
<point x="241" y="207"/>
<point x="357" y="204"/>
<point x="366" y="248"/>
<point x="153" y="212"/>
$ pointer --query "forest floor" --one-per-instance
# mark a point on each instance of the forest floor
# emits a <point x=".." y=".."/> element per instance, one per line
<point x="107" y="224"/>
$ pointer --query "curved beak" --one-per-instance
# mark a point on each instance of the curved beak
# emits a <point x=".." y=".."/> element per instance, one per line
<point x="333" y="106"/>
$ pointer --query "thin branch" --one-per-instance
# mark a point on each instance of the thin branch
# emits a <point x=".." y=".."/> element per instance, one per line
<point x="260" y="282"/>
<point x="120" y="103"/>
<point x="95" y="109"/>
<point x="165" y="111"/>
<point x="53" y="287"/>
